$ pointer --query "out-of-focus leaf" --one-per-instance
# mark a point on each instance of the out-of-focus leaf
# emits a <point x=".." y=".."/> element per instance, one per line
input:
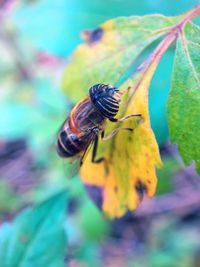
<point x="184" y="99"/>
<point x="110" y="51"/>
<point x="92" y="222"/>
<point x="52" y="38"/>
<point x="6" y="231"/>
<point x="165" y="250"/>
<point x="131" y="157"/>
<point x="166" y="175"/>
<point x="9" y="200"/>
<point x="34" y="113"/>
<point x="11" y="116"/>
<point x="88" y="255"/>
<point x="36" y="238"/>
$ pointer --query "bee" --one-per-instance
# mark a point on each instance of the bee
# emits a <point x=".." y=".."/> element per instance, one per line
<point x="86" y="122"/>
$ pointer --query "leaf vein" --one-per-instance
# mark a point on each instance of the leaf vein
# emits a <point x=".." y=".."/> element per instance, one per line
<point x="191" y="65"/>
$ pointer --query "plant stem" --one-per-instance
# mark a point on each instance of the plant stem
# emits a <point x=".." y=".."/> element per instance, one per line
<point x="190" y="15"/>
<point x="163" y="46"/>
<point x="157" y="54"/>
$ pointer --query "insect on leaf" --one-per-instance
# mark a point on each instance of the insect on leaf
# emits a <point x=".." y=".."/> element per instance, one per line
<point x="184" y="99"/>
<point x="131" y="156"/>
<point x="110" y="50"/>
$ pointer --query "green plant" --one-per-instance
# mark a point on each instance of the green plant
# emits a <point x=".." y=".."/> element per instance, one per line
<point x="36" y="237"/>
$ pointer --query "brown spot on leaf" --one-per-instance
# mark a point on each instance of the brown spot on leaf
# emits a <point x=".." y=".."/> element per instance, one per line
<point x="141" y="188"/>
<point x="116" y="189"/>
<point x="92" y="36"/>
<point x="96" y="194"/>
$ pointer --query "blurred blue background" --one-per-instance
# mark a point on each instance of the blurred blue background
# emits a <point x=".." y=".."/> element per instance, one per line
<point x="55" y="25"/>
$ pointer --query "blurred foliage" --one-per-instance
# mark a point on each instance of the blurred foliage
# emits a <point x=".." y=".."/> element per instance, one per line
<point x="35" y="38"/>
<point x="168" y="246"/>
<point x="9" y="201"/>
<point x="92" y="222"/>
<point x="36" y="238"/>
<point x="170" y="167"/>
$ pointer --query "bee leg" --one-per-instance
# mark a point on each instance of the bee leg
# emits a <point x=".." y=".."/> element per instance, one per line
<point x="94" y="153"/>
<point x="125" y="118"/>
<point x="82" y="157"/>
<point x="111" y="134"/>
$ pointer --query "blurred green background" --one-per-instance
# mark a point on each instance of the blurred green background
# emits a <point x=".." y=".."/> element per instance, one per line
<point x="36" y="39"/>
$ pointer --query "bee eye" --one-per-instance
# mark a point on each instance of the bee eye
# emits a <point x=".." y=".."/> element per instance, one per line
<point x="111" y="92"/>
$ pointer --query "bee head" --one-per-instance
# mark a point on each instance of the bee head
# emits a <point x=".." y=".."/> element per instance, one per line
<point x="106" y="99"/>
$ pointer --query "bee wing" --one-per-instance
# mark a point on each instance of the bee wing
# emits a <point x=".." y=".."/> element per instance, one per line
<point x="85" y="153"/>
<point x="73" y="165"/>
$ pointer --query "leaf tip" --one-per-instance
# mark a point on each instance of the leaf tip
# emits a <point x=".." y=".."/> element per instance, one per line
<point x="108" y="25"/>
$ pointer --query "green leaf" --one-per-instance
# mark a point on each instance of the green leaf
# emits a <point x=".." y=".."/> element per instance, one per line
<point x="9" y="199"/>
<point x="36" y="238"/>
<point x="184" y="98"/>
<point x="106" y="59"/>
<point x="93" y="224"/>
<point x="166" y="175"/>
<point x="6" y="231"/>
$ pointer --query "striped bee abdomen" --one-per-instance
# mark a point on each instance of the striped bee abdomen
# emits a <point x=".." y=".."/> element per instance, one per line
<point x="69" y="144"/>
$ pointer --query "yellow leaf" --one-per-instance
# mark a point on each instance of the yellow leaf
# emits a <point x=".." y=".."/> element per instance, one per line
<point x="120" y="41"/>
<point x="132" y="157"/>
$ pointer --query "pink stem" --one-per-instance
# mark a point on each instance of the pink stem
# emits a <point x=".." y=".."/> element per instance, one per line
<point x="164" y="45"/>
<point x="190" y="15"/>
